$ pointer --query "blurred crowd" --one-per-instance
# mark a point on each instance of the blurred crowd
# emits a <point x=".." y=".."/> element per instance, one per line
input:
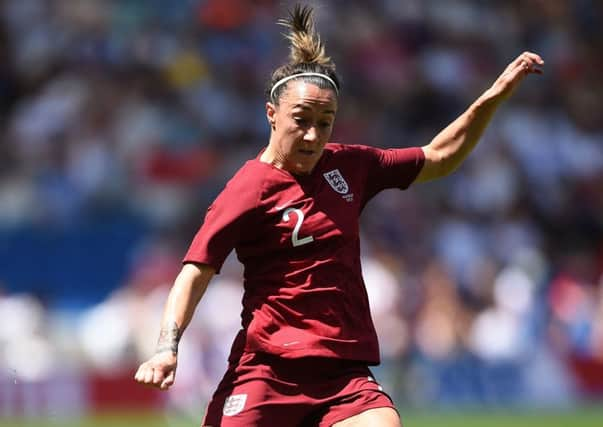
<point x="486" y="286"/>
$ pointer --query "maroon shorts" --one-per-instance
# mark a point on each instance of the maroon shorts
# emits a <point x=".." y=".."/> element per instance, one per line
<point x="265" y="390"/>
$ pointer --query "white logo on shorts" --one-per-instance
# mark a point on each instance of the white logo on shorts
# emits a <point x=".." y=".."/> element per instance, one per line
<point x="234" y="404"/>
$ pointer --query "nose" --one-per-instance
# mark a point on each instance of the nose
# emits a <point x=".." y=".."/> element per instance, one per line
<point x="311" y="134"/>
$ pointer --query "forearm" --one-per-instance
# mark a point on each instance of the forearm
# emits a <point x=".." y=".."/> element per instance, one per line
<point x="187" y="291"/>
<point x="454" y="143"/>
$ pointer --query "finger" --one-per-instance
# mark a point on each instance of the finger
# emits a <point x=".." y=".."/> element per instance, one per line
<point x="531" y="68"/>
<point x="535" y="58"/>
<point x="157" y="376"/>
<point x="526" y="60"/>
<point x="528" y="65"/>
<point x="520" y="60"/>
<point x="519" y="65"/>
<point x="517" y="71"/>
<point x="168" y="381"/>
<point x="531" y="63"/>
<point x="140" y="373"/>
<point x="148" y="376"/>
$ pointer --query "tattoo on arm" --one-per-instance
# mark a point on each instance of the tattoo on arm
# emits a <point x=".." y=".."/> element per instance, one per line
<point x="168" y="339"/>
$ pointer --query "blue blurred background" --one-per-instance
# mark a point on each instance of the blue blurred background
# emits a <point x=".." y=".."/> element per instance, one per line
<point x="120" y="121"/>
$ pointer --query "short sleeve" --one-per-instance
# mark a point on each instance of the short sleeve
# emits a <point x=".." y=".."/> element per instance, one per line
<point x="224" y="225"/>
<point x="392" y="168"/>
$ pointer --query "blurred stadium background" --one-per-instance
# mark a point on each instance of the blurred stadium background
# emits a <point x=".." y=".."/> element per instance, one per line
<point x="120" y="120"/>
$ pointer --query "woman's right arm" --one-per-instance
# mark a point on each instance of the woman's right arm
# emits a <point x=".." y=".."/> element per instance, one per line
<point x="189" y="286"/>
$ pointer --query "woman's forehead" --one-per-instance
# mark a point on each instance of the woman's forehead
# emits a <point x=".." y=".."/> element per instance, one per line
<point x="303" y="94"/>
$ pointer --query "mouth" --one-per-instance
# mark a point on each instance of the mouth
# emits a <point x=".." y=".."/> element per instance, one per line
<point x="306" y="152"/>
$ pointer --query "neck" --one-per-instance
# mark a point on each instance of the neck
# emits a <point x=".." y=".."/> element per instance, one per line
<point x="271" y="156"/>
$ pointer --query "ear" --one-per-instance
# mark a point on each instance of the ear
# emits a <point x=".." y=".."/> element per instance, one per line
<point x="271" y="114"/>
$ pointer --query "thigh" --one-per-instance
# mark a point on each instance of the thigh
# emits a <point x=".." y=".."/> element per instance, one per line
<point x="377" y="417"/>
<point x="362" y="402"/>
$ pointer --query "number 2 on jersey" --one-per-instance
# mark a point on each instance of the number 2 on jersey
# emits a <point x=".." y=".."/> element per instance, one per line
<point x="295" y="235"/>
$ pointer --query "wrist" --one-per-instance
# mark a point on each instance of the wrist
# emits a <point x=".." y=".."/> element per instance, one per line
<point x="167" y="348"/>
<point x="491" y="97"/>
<point x="169" y="337"/>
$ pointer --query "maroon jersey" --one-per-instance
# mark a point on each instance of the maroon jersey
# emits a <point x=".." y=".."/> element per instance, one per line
<point x="298" y="239"/>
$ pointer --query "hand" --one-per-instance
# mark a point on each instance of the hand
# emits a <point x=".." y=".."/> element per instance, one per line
<point x="159" y="371"/>
<point x="507" y="82"/>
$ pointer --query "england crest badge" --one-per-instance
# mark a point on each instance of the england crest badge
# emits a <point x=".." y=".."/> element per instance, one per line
<point x="336" y="181"/>
<point x="234" y="404"/>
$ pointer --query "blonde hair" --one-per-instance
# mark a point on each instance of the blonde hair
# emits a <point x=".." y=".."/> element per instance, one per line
<point x="306" y="46"/>
<point x="307" y="58"/>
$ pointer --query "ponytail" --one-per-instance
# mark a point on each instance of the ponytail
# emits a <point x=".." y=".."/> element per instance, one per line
<point x="307" y="58"/>
<point x="306" y="46"/>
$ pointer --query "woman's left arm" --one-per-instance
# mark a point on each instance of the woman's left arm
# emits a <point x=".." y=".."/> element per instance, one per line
<point x="450" y="147"/>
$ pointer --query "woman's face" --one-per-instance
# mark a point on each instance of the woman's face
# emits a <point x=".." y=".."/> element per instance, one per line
<point x="301" y="125"/>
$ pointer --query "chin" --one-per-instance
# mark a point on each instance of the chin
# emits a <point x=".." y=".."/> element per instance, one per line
<point x="304" y="168"/>
<point x="302" y="171"/>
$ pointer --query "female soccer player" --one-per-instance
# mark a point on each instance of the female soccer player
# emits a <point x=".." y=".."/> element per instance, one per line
<point x="307" y="338"/>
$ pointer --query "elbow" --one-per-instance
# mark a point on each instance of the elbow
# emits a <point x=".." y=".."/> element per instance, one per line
<point x="438" y="163"/>
<point x="448" y="166"/>
<point x="445" y="166"/>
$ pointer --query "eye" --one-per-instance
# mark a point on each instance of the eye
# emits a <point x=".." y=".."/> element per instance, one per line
<point x="325" y="125"/>
<point x="300" y="121"/>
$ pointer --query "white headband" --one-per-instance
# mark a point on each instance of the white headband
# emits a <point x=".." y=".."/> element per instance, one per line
<point x="286" y="79"/>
